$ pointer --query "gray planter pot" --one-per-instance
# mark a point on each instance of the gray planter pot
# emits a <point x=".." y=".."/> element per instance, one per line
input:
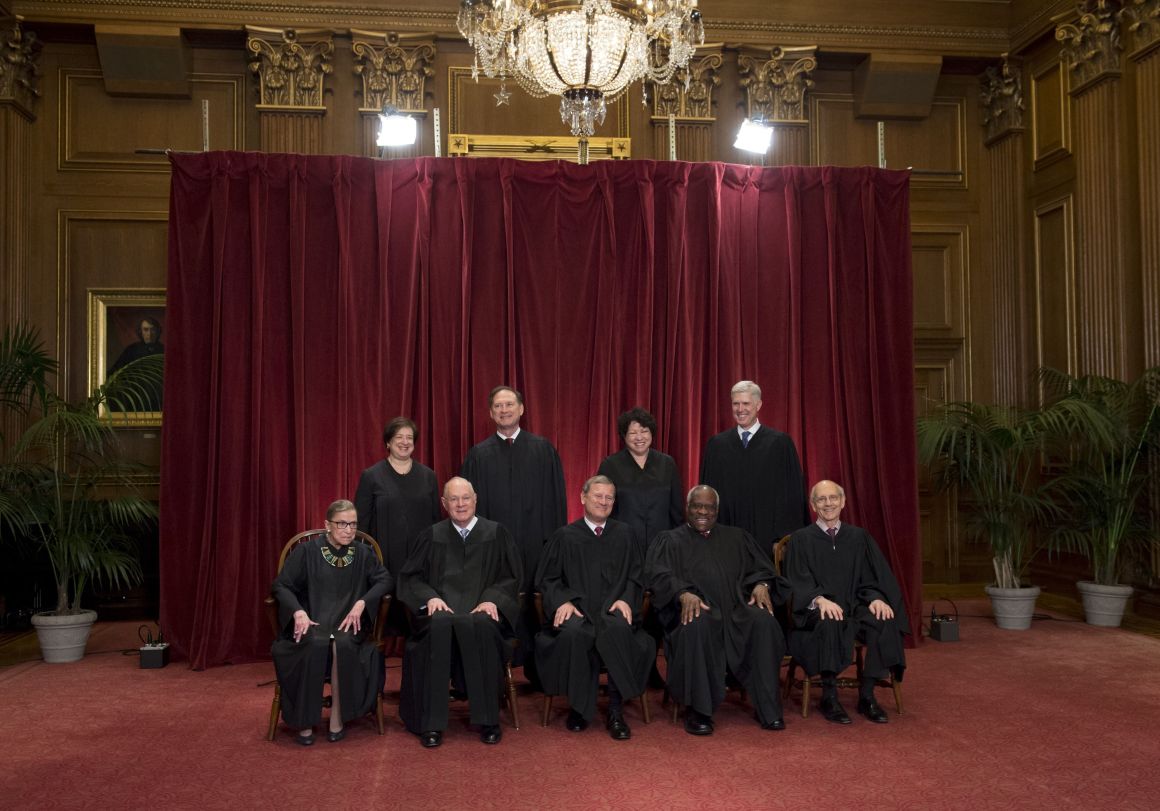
<point x="1013" y="607"/>
<point x="63" y="638"/>
<point x="1104" y="605"/>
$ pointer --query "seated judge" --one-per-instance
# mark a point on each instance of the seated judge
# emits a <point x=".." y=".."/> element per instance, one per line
<point x="714" y="588"/>
<point x="328" y="592"/>
<point x="590" y="578"/>
<point x="843" y="590"/>
<point x="461" y="583"/>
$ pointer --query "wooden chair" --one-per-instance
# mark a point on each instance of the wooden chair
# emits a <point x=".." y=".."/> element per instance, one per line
<point x="806" y="681"/>
<point x="547" y="709"/>
<point x="271" y="606"/>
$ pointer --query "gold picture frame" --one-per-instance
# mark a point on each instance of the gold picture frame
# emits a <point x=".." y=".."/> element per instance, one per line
<point x="124" y="324"/>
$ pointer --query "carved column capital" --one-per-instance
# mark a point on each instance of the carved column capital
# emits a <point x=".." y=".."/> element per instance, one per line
<point x="776" y="85"/>
<point x="1143" y="18"/>
<point x="1002" y="96"/>
<point x="689" y="96"/>
<point x="1091" y="46"/>
<point x="291" y="66"/>
<point x="394" y="69"/>
<point x="19" y="73"/>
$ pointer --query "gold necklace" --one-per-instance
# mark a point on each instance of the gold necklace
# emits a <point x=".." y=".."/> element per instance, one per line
<point x="336" y="561"/>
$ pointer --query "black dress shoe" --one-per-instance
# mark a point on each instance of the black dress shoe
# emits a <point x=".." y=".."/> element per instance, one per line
<point x="833" y="711"/>
<point x="617" y="728"/>
<point x="305" y="740"/>
<point x="431" y="739"/>
<point x="777" y="725"/>
<point x="335" y="737"/>
<point x="490" y="734"/>
<point x="869" y="707"/>
<point x="576" y="722"/>
<point x="698" y="724"/>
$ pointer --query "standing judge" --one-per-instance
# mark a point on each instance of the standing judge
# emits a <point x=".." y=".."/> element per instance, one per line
<point x="649" y="496"/>
<point x="590" y="578"/>
<point x="714" y="588"/>
<point x="757" y="472"/>
<point x="328" y="591"/>
<point x="843" y="590"/>
<point x="461" y="584"/>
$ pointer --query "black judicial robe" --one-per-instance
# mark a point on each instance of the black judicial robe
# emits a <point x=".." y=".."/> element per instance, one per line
<point x="592" y="573"/>
<point x="326" y="593"/>
<point x="522" y="487"/>
<point x="852" y="571"/>
<point x="394" y="508"/>
<point x="649" y="499"/>
<point x="469" y="647"/>
<point x="762" y="488"/>
<point x="722" y="570"/>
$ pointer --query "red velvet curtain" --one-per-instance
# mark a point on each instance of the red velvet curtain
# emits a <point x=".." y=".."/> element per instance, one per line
<point x="312" y="298"/>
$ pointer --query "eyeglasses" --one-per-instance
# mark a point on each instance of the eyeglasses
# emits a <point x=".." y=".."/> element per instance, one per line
<point x="344" y="524"/>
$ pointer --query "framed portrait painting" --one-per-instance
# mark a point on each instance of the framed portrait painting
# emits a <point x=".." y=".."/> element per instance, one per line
<point x="124" y="325"/>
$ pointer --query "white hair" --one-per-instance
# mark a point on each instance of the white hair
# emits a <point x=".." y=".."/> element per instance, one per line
<point x="746" y="387"/>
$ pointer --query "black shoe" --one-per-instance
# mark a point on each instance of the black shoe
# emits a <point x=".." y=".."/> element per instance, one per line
<point x="777" y="725"/>
<point x="305" y="740"/>
<point x="576" y="722"/>
<point x="698" y="724"/>
<point x="431" y="739"/>
<point x="833" y="712"/>
<point x="869" y="707"/>
<point x="617" y="728"/>
<point x="335" y="737"/>
<point x="490" y="734"/>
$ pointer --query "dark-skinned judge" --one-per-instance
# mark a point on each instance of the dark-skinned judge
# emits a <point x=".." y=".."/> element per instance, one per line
<point x="328" y="591"/>
<point x="590" y="578"/>
<point x="714" y="588"/>
<point x="843" y="590"/>
<point x="757" y="471"/>
<point x="461" y="584"/>
<point x="520" y="484"/>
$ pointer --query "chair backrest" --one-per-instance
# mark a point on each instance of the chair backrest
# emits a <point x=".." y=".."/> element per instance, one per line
<point x="780" y="547"/>
<point x="310" y="533"/>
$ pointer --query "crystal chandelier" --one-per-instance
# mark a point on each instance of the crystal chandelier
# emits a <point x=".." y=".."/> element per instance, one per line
<point x="586" y="51"/>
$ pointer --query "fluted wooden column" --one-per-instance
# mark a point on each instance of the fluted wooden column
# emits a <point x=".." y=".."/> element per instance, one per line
<point x="1144" y="27"/>
<point x="1003" y="106"/>
<point x="688" y="98"/>
<point x="19" y="75"/>
<point x="291" y="66"/>
<point x="394" y="69"/>
<point x="775" y="83"/>
<point x="1092" y="50"/>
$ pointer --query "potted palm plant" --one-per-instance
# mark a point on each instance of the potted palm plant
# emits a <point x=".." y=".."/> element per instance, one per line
<point x="990" y="453"/>
<point x="66" y="491"/>
<point x="1101" y="487"/>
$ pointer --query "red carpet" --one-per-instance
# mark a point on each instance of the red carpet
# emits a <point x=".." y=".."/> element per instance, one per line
<point x="1061" y="716"/>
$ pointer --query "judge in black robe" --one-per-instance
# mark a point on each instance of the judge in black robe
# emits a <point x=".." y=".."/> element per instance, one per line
<point x="463" y="595"/>
<point x="649" y="495"/>
<point x="520" y="484"/>
<point x="714" y="588"/>
<point x="843" y="590"/>
<point x="326" y="577"/>
<point x="397" y="498"/>
<point x="759" y="477"/>
<point x="591" y="581"/>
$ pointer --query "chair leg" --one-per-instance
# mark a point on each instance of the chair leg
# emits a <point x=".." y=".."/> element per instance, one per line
<point x="511" y="696"/>
<point x="644" y="707"/>
<point x="275" y="708"/>
<point x="805" y="694"/>
<point x="547" y="710"/>
<point x="379" y="713"/>
<point x="897" y="695"/>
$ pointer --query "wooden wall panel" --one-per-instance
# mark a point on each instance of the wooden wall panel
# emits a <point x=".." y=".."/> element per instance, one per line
<point x="839" y="139"/>
<point x="937" y="143"/>
<point x="1055" y="285"/>
<point x="101" y="132"/>
<point x="939" y="259"/>
<point x="1004" y="214"/>
<point x="1148" y="138"/>
<point x="1050" y="113"/>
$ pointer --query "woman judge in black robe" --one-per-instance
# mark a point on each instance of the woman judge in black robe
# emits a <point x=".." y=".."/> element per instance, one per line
<point x="649" y="495"/>
<point x="327" y="592"/>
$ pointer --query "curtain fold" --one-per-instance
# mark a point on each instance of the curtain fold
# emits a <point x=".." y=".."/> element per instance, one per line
<point x="312" y="298"/>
